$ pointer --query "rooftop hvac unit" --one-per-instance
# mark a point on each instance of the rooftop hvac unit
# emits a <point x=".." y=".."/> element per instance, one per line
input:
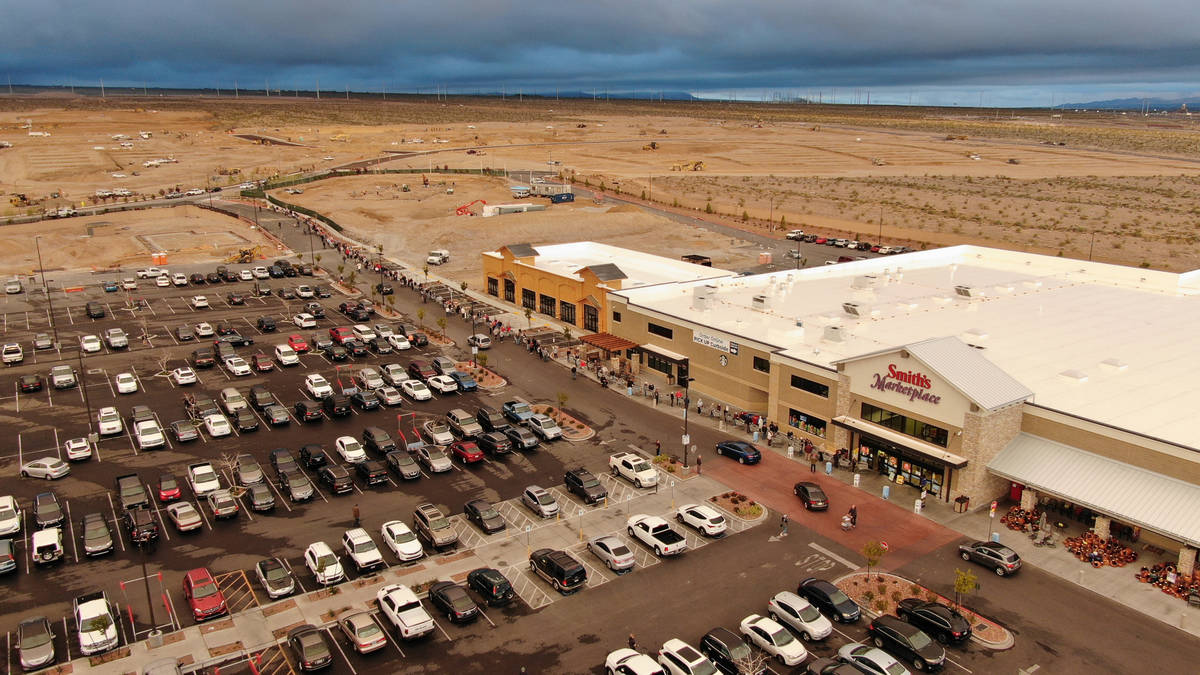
<point x="851" y="308"/>
<point x="966" y="292"/>
<point x="761" y="302"/>
<point x="863" y="281"/>
<point x="833" y="333"/>
<point x="702" y="296"/>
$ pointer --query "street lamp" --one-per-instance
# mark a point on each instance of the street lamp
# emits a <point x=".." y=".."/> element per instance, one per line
<point x="687" y="401"/>
<point x="37" y="242"/>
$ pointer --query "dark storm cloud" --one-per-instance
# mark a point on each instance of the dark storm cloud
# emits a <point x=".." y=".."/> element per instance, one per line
<point x="697" y="45"/>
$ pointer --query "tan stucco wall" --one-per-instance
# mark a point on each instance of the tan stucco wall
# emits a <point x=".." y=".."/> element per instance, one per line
<point x="542" y="282"/>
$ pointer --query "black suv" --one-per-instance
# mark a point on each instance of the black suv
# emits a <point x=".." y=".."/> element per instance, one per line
<point x="235" y="339"/>
<point x="829" y="599"/>
<point x="585" y="484"/>
<point x="491" y="419"/>
<point x="336" y="478"/>
<point x="95" y="310"/>
<point x="313" y="456"/>
<point x="565" y="573"/>
<point x="494" y="443"/>
<point x="375" y="438"/>
<point x="372" y="472"/>
<point x="309" y="411"/>
<point x="140" y="525"/>
<point x="900" y="638"/>
<point x="266" y="324"/>
<point x="936" y="619"/>
<point x="725" y="649"/>
<point x="491" y="585"/>
<point x="336" y="405"/>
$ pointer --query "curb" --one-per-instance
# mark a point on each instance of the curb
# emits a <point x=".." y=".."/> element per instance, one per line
<point x="987" y="644"/>
<point x="750" y="522"/>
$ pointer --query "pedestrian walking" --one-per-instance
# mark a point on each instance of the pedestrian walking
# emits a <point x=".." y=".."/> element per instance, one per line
<point x="783" y="523"/>
<point x="632" y="642"/>
<point x="812" y="466"/>
<point x="574" y="372"/>
<point x="356" y="515"/>
<point x="657" y="447"/>
<point x="698" y="462"/>
<point x="853" y="515"/>
<point x="699" y="406"/>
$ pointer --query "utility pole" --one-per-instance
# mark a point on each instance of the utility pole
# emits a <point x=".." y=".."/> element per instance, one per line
<point x="101" y="87"/>
<point x="318" y="89"/>
<point x="235" y="89"/>
<point x="37" y="242"/>
<point x="880" y="242"/>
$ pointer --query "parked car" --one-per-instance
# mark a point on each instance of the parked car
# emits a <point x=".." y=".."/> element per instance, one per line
<point x="274" y="577"/>
<point x="433" y="526"/>
<point x="403" y="464"/>
<point x="402" y="609"/>
<point x="97" y="537"/>
<point x="1002" y="559"/>
<point x="742" y="451"/>
<point x="727" y="650"/>
<point x="625" y="661"/>
<point x="35" y="643"/>
<point x="898" y="637"/>
<point x="482" y="513"/>
<point x="203" y="594"/>
<point x="869" y="659"/>
<point x="361" y="549"/>
<point x="401" y="540"/>
<point x="540" y="501"/>
<point x="323" y="563"/>
<point x="774" y="639"/>
<point x="361" y="631"/>
<point x="945" y="624"/>
<point x="613" y="553"/>
<point x="703" y="518"/>
<point x="309" y="647"/>
<point x="800" y="615"/>
<point x="336" y="478"/>
<point x="184" y="516"/>
<point x="454" y="601"/>
<point x="829" y="599"/>
<point x="585" y="485"/>
<point x="559" y="569"/>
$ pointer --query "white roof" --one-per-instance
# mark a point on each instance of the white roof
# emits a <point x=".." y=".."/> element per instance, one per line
<point x="1125" y="492"/>
<point x="1108" y="343"/>
<point x="641" y="269"/>
<point x="965" y="369"/>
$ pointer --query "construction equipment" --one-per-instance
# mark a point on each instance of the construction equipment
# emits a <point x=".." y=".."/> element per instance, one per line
<point x="404" y="188"/>
<point x="687" y="166"/>
<point x="953" y="137"/>
<point x="652" y="145"/>
<point x="877" y="161"/>
<point x="245" y="255"/>
<point x="465" y="209"/>
<point x="18" y="200"/>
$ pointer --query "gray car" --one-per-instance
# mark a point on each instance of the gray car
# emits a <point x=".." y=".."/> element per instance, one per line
<point x="97" y="538"/>
<point x="613" y="552"/>
<point x="540" y="501"/>
<point x="248" y="470"/>
<point x="35" y="641"/>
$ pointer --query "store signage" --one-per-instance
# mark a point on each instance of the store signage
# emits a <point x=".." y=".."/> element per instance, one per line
<point x="910" y="383"/>
<point x="712" y="340"/>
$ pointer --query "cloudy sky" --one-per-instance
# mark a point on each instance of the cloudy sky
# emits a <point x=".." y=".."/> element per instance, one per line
<point x="998" y="52"/>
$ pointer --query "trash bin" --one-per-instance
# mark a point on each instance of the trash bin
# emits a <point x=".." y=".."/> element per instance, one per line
<point x="154" y="639"/>
<point x="996" y="537"/>
<point x="828" y="468"/>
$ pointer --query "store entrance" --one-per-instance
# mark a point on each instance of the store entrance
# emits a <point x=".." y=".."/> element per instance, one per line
<point x="901" y="465"/>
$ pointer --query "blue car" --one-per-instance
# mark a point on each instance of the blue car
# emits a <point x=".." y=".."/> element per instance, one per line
<point x="742" y="451"/>
<point x="111" y="287"/>
<point x="464" y="381"/>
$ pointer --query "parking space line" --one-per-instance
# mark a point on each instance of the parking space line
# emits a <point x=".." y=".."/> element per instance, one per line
<point x="295" y="577"/>
<point x="66" y="634"/>
<point x="337" y="644"/>
<point x="443" y="630"/>
<point x="71" y="527"/>
<point x="68" y="310"/>
<point x="116" y="520"/>
<point x="157" y="512"/>
<point x="392" y="641"/>
<point x="279" y="494"/>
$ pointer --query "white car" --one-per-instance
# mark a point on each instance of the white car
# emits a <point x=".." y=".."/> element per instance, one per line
<point x="679" y="658"/>
<point x="260" y="272"/>
<point x="416" y="390"/>
<point x="350" y="449"/>
<point x="184" y="516"/>
<point x="199" y="301"/>
<point x="359" y="546"/>
<point x="163" y="282"/>
<point x="194" y="192"/>
<point x="203" y="478"/>
<point x="304" y="291"/>
<point x="543" y="426"/>
<point x="438" y="432"/>
<point x="149" y="434"/>
<point x="77" y="449"/>
<point x="400" y="606"/>
<point x="179" y="279"/>
<point x="394" y="374"/>
<point x="400" y="539"/>
<point x="323" y="563"/>
<point x="48" y="468"/>
<point x="238" y="366"/>
<point x="89" y="344"/>
<point x="129" y="284"/>
<point x="246" y="275"/>
<point x="217" y="425"/>
<point x="774" y="639"/>
<point x="232" y="400"/>
<point x="443" y="384"/>
<point x="13" y="353"/>
<point x="363" y="333"/>
<point x="11" y="518"/>
<point x="369" y="378"/>
<point x="304" y="321"/>
<point x="96" y="623"/>
<point x="183" y="376"/>
<point x="317" y="386"/>
<point x="383" y="330"/>
<point x="204" y="329"/>
<point x="794" y="611"/>
<point x="286" y="356"/>
<point x="704" y="518"/>
<point x="126" y="383"/>
<point x="626" y="661"/>
<point x="109" y="421"/>
<point x="399" y="342"/>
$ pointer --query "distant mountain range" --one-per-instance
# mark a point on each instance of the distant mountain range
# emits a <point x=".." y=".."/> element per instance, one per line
<point x="1136" y="104"/>
<point x="112" y="90"/>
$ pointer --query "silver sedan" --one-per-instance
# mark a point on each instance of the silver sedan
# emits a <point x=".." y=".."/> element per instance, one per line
<point x="613" y="552"/>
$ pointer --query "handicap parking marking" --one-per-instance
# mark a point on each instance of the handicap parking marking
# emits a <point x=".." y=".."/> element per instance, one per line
<point x="239" y="593"/>
<point x="527" y="586"/>
<point x="595" y="577"/>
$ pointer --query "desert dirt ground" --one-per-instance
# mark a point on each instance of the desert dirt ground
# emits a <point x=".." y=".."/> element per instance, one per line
<point x="187" y="234"/>
<point x="1119" y="188"/>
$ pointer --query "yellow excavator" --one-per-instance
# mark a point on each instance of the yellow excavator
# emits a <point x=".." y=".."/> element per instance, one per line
<point x="245" y="255"/>
<point x="652" y="145"/>
<point x="688" y="166"/>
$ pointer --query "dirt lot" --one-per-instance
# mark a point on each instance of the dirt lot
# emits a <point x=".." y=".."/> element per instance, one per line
<point x="185" y="233"/>
<point x="375" y="210"/>
<point x="1031" y="180"/>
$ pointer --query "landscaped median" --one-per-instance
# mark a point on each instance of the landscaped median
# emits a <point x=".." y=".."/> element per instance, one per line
<point x="881" y="592"/>
<point x="485" y="378"/>
<point x="572" y="428"/>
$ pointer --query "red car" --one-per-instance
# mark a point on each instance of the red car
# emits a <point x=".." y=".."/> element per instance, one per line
<point x="298" y="343"/>
<point x="203" y="594"/>
<point x="821" y="240"/>
<point x="466" y="452"/>
<point x="263" y="363"/>
<point x="168" y="488"/>
<point x="340" y="334"/>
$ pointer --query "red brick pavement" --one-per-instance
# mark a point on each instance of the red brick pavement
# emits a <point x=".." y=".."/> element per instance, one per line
<point x="770" y="482"/>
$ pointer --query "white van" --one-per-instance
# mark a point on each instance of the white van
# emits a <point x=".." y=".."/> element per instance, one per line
<point x="438" y="257"/>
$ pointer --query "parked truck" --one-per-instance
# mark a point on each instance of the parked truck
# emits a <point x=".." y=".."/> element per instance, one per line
<point x="657" y="534"/>
<point x="633" y="468"/>
<point x="131" y="492"/>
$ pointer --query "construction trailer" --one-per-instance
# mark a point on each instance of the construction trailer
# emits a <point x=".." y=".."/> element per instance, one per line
<point x="490" y="210"/>
<point x="551" y="189"/>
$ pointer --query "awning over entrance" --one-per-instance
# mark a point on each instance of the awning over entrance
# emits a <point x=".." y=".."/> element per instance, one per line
<point x="608" y="342"/>
<point x="1124" y="492"/>
<point x="665" y="353"/>
<point x="927" y="449"/>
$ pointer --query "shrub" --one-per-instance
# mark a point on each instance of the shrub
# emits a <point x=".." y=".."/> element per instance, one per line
<point x="915" y="590"/>
<point x="896" y="596"/>
<point x="881" y="605"/>
<point x="882" y="588"/>
<point x="868" y="596"/>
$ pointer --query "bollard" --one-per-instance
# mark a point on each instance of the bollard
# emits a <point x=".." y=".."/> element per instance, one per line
<point x="857" y="479"/>
<point x="887" y="490"/>
<point x="916" y="506"/>
<point x="755" y="437"/>
<point x="791" y="451"/>
<point x="828" y="468"/>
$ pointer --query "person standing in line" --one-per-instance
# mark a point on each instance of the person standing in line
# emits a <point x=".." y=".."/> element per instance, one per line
<point x="356" y="513"/>
<point x="698" y="462"/>
<point x="632" y="642"/>
<point x="657" y="447"/>
<point x="853" y="515"/>
<point x="783" y="524"/>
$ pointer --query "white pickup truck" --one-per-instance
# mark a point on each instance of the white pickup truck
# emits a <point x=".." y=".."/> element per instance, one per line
<point x="656" y="533"/>
<point x="438" y="257"/>
<point x="151" y="273"/>
<point x="633" y="468"/>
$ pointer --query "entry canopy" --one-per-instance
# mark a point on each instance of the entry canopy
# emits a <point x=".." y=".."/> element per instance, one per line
<point x="1123" y="492"/>
<point x="930" y="450"/>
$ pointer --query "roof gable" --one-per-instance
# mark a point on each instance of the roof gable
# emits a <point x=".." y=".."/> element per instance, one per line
<point x="605" y="271"/>
<point x="521" y="250"/>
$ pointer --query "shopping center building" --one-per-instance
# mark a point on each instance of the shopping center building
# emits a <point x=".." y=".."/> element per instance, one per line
<point x="972" y="373"/>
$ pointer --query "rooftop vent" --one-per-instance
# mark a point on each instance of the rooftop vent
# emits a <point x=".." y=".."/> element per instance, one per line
<point x="863" y="281"/>
<point x="974" y="335"/>
<point x="1075" y="375"/>
<point x="1031" y="283"/>
<point x="833" y="333"/>
<point x="851" y="308"/>
<point x="1116" y="365"/>
<point x="702" y="296"/>
<point x="967" y="292"/>
<point x="761" y="302"/>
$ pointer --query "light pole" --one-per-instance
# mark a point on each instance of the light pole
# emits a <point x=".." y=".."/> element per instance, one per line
<point x="37" y="242"/>
<point x="86" y="401"/>
<point x="687" y="402"/>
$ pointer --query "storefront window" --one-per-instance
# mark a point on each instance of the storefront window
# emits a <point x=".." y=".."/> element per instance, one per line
<point x="906" y="425"/>
<point x="658" y="363"/>
<point x="591" y="318"/>
<point x="549" y="304"/>
<point x="806" y="423"/>
<point x="814" y="388"/>
<point x="566" y="312"/>
<point x="493" y="286"/>
<point x="528" y="299"/>
<point x="899" y="467"/>
<point x="510" y="290"/>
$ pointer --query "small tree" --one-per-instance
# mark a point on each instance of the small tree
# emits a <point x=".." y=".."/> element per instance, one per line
<point x="426" y="270"/>
<point x="463" y="287"/>
<point x="441" y="323"/>
<point x="562" y="399"/>
<point x="873" y="551"/>
<point x="482" y="360"/>
<point x="708" y="207"/>
<point x="420" y="315"/>
<point x="341" y="269"/>
<point x="529" y="316"/>
<point x="783" y="222"/>
<point x="566" y="332"/>
<point x="350" y="278"/>
<point x="965" y="582"/>
<point x="753" y="663"/>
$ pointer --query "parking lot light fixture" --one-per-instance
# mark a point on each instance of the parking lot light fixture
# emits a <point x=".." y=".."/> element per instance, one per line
<point x="37" y="242"/>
